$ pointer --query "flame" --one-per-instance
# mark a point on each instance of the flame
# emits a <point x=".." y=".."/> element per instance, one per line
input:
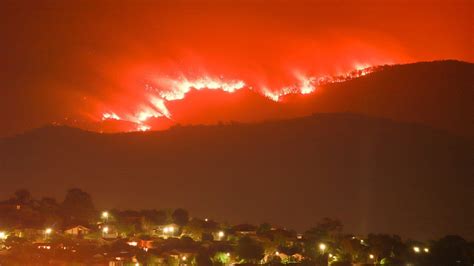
<point x="143" y="128"/>
<point x="113" y="116"/>
<point x="176" y="89"/>
<point x="165" y="89"/>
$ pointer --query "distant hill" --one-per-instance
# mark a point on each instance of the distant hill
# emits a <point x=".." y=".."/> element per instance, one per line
<point x="376" y="175"/>
<point x="439" y="94"/>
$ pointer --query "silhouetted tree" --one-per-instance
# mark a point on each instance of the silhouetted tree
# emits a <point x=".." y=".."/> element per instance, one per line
<point x="249" y="250"/>
<point x="23" y="196"/>
<point x="50" y="211"/>
<point x="206" y="236"/>
<point x="180" y="217"/>
<point x="451" y="250"/>
<point x="264" y="228"/>
<point x="326" y="230"/>
<point x="78" y="206"/>
<point x="385" y="246"/>
<point x="203" y="258"/>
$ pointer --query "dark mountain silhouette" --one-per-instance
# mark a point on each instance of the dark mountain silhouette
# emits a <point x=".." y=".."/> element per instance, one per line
<point x="439" y="94"/>
<point x="376" y="175"/>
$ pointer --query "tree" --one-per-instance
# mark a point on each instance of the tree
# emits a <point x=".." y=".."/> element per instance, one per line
<point x="78" y="206"/>
<point x="385" y="246"/>
<point x="49" y="210"/>
<point x="451" y="250"/>
<point x="353" y="246"/>
<point x="155" y="217"/>
<point x="203" y="258"/>
<point x="249" y="250"/>
<point x="326" y="230"/>
<point x="264" y="228"/>
<point x="23" y="196"/>
<point x="180" y="217"/>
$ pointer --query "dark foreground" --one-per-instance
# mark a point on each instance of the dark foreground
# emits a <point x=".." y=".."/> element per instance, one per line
<point x="72" y="232"/>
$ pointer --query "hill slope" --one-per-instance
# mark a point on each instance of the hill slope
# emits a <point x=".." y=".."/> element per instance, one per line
<point x="375" y="175"/>
<point x="439" y="94"/>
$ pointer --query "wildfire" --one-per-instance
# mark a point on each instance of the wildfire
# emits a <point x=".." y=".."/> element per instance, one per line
<point x="176" y="89"/>
<point x="113" y="116"/>
<point x="165" y="89"/>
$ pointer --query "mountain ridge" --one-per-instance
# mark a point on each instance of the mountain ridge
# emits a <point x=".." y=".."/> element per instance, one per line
<point x="297" y="170"/>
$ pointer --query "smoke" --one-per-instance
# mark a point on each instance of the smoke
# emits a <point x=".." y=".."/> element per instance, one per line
<point x="73" y="62"/>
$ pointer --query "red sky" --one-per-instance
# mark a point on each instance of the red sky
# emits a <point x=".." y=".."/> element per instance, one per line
<point x="76" y="60"/>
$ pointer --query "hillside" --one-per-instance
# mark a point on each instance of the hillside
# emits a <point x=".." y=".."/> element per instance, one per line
<point x="438" y="94"/>
<point x="291" y="172"/>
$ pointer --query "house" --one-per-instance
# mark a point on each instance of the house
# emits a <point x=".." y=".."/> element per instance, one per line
<point x="77" y="230"/>
<point x="244" y="230"/>
<point x="167" y="230"/>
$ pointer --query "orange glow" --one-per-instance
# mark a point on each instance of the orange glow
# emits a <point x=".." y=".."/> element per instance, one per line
<point x="106" y="116"/>
<point x="162" y="91"/>
<point x="145" y="61"/>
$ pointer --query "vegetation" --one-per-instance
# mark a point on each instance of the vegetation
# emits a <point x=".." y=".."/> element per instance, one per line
<point x="44" y="231"/>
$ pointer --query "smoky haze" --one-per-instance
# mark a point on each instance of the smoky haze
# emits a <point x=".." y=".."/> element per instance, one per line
<point x="292" y="172"/>
<point x="69" y="61"/>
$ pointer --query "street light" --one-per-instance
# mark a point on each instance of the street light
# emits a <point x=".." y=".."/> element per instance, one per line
<point x="105" y="230"/>
<point x="3" y="235"/>
<point x="416" y="249"/>
<point x="426" y="250"/>
<point x="105" y="215"/>
<point x="220" y="234"/>
<point x="371" y="256"/>
<point x="322" y="247"/>
<point x="47" y="232"/>
<point x="168" y="230"/>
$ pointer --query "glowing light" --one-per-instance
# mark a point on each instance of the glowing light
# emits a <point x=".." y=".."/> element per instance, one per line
<point x="176" y="89"/>
<point x="105" y="230"/>
<point x="144" y="115"/>
<point x="48" y="231"/>
<point x="160" y="105"/>
<point x="112" y="116"/>
<point x="3" y="235"/>
<point x="143" y="128"/>
<point x="105" y="215"/>
<point x="371" y="256"/>
<point x="132" y="243"/>
<point x="162" y="90"/>
<point x="426" y="250"/>
<point x="168" y="229"/>
<point x="220" y="234"/>
<point x="322" y="247"/>
<point x="416" y="249"/>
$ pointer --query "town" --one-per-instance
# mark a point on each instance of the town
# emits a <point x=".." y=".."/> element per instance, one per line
<point x="48" y="232"/>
